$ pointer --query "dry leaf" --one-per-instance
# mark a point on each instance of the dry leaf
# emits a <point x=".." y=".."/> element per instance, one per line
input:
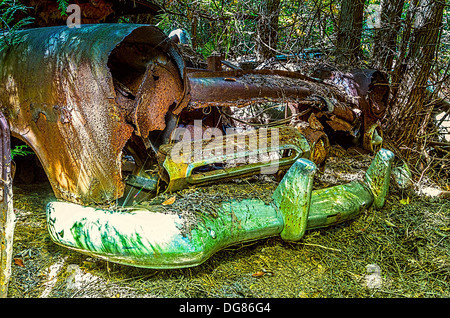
<point x="169" y="201"/>
<point x="19" y="261"/>
<point x="404" y="201"/>
<point x="389" y="223"/>
<point x="258" y="274"/>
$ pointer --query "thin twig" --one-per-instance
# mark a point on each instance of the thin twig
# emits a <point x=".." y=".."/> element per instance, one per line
<point x="321" y="246"/>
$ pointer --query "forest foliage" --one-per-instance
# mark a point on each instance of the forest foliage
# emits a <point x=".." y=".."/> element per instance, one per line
<point x="232" y="27"/>
<point x="9" y="23"/>
<point x="408" y="39"/>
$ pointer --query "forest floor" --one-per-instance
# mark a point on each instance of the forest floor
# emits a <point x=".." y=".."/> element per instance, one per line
<point x="402" y="250"/>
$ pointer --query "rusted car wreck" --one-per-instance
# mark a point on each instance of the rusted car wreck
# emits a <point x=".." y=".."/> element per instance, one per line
<point x="112" y="108"/>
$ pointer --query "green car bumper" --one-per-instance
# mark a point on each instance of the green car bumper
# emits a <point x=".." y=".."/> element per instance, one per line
<point x="145" y="238"/>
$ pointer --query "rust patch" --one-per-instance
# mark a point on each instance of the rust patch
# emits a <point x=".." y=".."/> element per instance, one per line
<point x="245" y="88"/>
<point x="161" y="88"/>
<point x="65" y="104"/>
<point x="338" y="124"/>
<point x="41" y="122"/>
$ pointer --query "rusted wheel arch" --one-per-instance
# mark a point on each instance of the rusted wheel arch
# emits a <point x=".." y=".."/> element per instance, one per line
<point x="58" y="95"/>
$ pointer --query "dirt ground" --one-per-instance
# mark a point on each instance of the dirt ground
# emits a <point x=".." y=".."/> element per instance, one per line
<point x="402" y="250"/>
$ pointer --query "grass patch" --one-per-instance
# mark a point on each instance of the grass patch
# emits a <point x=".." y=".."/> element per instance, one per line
<point x="408" y="241"/>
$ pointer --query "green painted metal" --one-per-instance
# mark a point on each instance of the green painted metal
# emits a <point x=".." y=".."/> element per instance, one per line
<point x="375" y="176"/>
<point x="337" y="204"/>
<point x="146" y="239"/>
<point x="150" y="239"/>
<point x="293" y="197"/>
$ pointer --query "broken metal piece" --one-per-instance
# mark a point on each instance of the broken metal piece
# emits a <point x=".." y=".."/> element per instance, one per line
<point x="319" y="144"/>
<point x="160" y="88"/>
<point x="377" y="176"/>
<point x="7" y="216"/>
<point x="148" y="238"/>
<point x="252" y="152"/>
<point x="373" y="138"/>
<point x="244" y="87"/>
<point x="293" y="198"/>
<point x="140" y="182"/>
<point x="369" y="89"/>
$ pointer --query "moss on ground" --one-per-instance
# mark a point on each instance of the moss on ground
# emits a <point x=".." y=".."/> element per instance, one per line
<point x="408" y="239"/>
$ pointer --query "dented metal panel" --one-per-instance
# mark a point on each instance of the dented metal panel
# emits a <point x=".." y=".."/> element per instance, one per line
<point x="58" y="94"/>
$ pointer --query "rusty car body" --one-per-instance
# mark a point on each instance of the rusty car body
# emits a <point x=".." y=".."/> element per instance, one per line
<point x="99" y="106"/>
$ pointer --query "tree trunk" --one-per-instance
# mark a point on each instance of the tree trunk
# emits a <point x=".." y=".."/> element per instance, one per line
<point x="406" y="111"/>
<point x="385" y="41"/>
<point x="268" y="30"/>
<point x="348" y="44"/>
<point x="400" y="63"/>
<point x="194" y="36"/>
<point x="192" y="16"/>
